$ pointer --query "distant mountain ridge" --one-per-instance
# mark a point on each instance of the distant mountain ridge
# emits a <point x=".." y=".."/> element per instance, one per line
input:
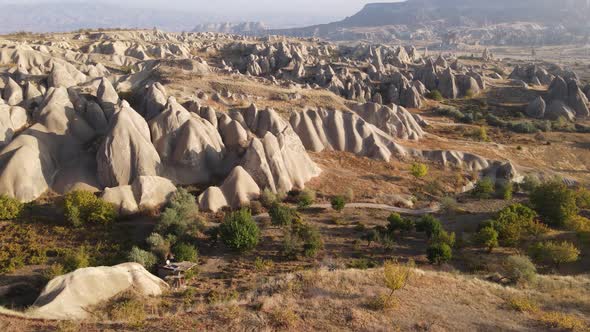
<point x="546" y="20"/>
<point x="68" y="16"/>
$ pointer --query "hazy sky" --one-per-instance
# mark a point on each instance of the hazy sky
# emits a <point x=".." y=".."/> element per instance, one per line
<point x="327" y="8"/>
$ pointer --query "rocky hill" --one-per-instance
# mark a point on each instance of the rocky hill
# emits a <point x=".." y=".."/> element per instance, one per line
<point x="242" y="28"/>
<point x="498" y="22"/>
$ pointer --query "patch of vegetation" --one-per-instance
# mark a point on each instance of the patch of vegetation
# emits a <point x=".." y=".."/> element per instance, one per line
<point x="301" y="238"/>
<point x="554" y="252"/>
<point x="282" y="215"/>
<point x="399" y="224"/>
<point x="76" y="259"/>
<point x="184" y="252"/>
<point x="429" y="225"/>
<point x="519" y="269"/>
<point x="145" y="258"/>
<point x="128" y="308"/>
<point x="484" y="188"/>
<point x="21" y="245"/>
<point x="554" y="202"/>
<point x="306" y="198"/>
<point x="181" y="216"/>
<point x="419" y="170"/>
<point x="514" y="223"/>
<point x="487" y="237"/>
<point x="439" y="253"/>
<point x="338" y="203"/>
<point x="434" y="95"/>
<point x="10" y="208"/>
<point x="239" y="231"/>
<point x="83" y="207"/>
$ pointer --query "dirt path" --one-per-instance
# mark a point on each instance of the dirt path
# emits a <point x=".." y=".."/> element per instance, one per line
<point x="374" y="206"/>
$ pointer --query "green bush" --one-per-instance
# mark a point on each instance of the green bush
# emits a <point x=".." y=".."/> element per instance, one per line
<point x="429" y="225"/>
<point x="181" y="216"/>
<point x="439" y="253"/>
<point x="82" y="207"/>
<point x="434" y="95"/>
<point x="145" y="258"/>
<point x="419" y="170"/>
<point x="444" y="237"/>
<point x="504" y="190"/>
<point x="282" y="215"/>
<point x="184" y="252"/>
<point x="306" y="198"/>
<point x="484" y="188"/>
<point x="371" y="236"/>
<point x="583" y="198"/>
<point x="523" y="127"/>
<point x="239" y="231"/>
<point x="158" y="245"/>
<point x="55" y="270"/>
<point x="519" y="269"/>
<point x="487" y="237"/>
<point x="530" y="183"/>
<point x="268" y="198"/>
<point x="75" y="259"/>
<point x="10" y="208"/>
<point x="338" y="203"/>
<point x="312" y="240"/>
<point x="513" y="223"/>
<point x="553" y="252"/>
<point x="554" y="202"/>
<point x="450" y="112"/>
<point x="397" y="223"/>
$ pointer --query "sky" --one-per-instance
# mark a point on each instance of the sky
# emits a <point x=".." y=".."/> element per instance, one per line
<point x="246" y="8"/>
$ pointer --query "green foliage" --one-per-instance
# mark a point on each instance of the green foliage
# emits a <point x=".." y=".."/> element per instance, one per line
<point x="482" y="134"/>
<point x="553" y="252"/>
<point x="158" y="245"/>
<point x="338" y="203"/>
<point x="282" y="215"/>
<point x="504" y="190"/>
<point x="554" y="202"/>
<point x="444" y="237"/>
<point x="439" y="253"/>
<point x="583" y="198"/>
<point x="434" y="95"/>
<point x="371" y="236"/>
<point x="184" y="252"/>
<point x="83" y="207"/>
<point x="268" y="198"/>
<point x="145" y="258"/>
<point x="10" y="208"/>
<point x="75" y="259"/>
<point x="419" y="170"/>
<point x="302" y="238"/>
<point x="54" y="270"/>
<point x="397" y="223"/>
<point x="429" y="225"/>
<point x="306" y="198"/>
<point x="487" y="237"/>
<point x="181" y="216"/>
<point x="519" y="269"/>
<point x="450" y="112"/>
<point x="530" y="183"/>
<point x="513" y="223"/>
<point x="239" y="231"/>
<point x="484" y="188"/>
<point x="20" y="245"/>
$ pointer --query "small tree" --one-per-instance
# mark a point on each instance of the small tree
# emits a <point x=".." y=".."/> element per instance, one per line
<point x="371" y="236"/>
<point x="397" y="223"/>
<point x="505" y="190"/>
<point x="434" y="95"/>
<point x="419" y="170"/>
<point x="439" y="253"/>
<point x="513" y="223"/>
<point x="239" y="231"/>
<point x="554" y="202"/>
<point x="75" y="259"/>
<point x="185" y="252"/>
<point x="396" y="276"/>
<point x="181" y="216"/>
<point x="553" y="252"/>
<point x="484" y="188"/>
<point x="281" y="215"/>
<point x="583" y="198"/>
<point x="429" y="225"/>
<point x="519" y="269"/>
<point x="312" y="240"/>
<point x="338" y="203"/>
<point x="145" y="258"/>
<point x="488" y="237"/>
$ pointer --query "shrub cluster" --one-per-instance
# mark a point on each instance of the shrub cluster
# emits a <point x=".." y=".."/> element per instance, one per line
<point x="239" y="231"/>
<point x="10" y="208"/>
<point x="83" y="207"/>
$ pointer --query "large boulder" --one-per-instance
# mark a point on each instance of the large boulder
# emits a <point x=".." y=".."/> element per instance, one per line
<point x="12" y="119"/>
<point x="13" y="93"/>
<point x="558" y="109"/>
<point x="71" y="295"/>
<point x="536" y="108"/>
<point x="395" y="120"/>
<point x="447" y="85"/>
<point x="127" y="151"/>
